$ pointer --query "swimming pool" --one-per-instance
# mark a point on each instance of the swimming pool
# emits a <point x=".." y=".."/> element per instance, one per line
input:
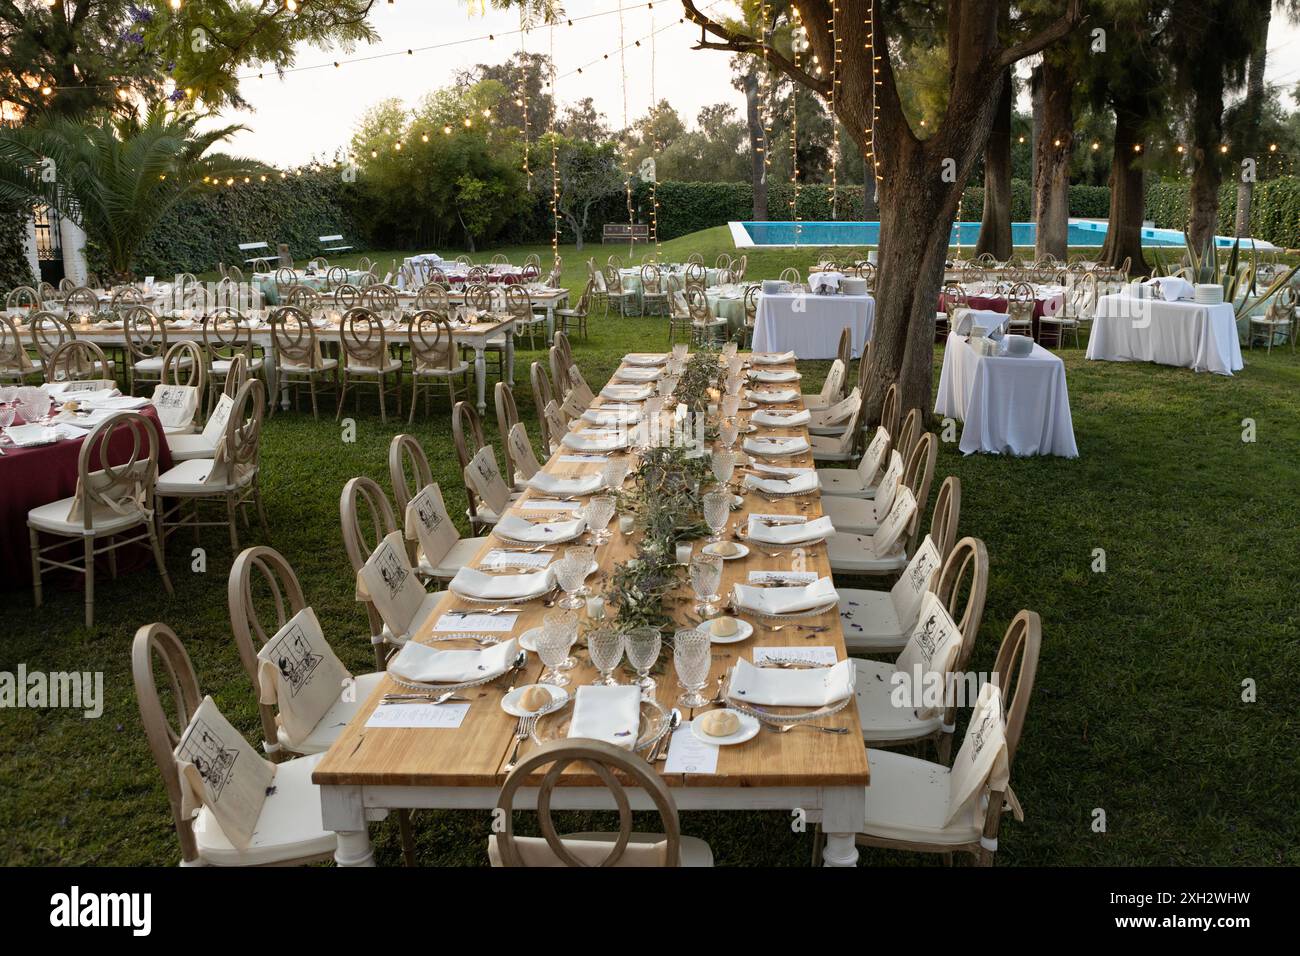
<point x="1082" y="232"/>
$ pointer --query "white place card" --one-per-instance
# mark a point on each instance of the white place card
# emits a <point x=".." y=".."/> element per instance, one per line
<point x="688" y="754"/>
<point x="783" y="519"/>
<point x="550" y="504"/>
<point x="784" y="577"/>
<point x="585" y="459"/>
<point x="476" y="622"/>
<point x="439" y="716"/>
<point x="515" y="559"/>
<point x="822" y="656"/>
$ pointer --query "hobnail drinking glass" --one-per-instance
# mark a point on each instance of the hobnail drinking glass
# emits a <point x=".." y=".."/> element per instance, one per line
<point x="706" y="575"/>
<point x="642" y="646"/>
<point x="614" y="472"/>
<point x="723" y="463"/>
<point x="692" y="657"/>
<point x="600" y="509"/>
<point x="728" y="432"/>
<point x="717" y="511"/>
<point x="680" y="351"/>
<point x="571" y="572"/>
<point x="605" y="645"/>
<point x="558" y="633"/>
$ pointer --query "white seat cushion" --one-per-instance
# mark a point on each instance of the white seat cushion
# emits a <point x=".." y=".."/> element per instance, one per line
<point x="908" y="800"/>
<point x="222" y="366"/>
<point x="393" y="365"/>
<point x="326" y="365"/>
<point x="53" y="518"/>
<point x="880" y="719"/>
<point x="422" y="614"/>
<point x="288" y="828"/>
<point x="462" y="553"/>
<point x="815" y="403"/>
<point x="190" y="445"/>
<point x="841" y="481"/>
<point x="853" y="554"/>
<point x="186" y="429"/>
<point x="870" y="621"/>
<point x="828" y="449"/>
<point x="693" y="850"/>
<point x="851" y="514"/>
<point x="441" y="372"/>
<point x="336" y="718"/>
<point x="187" y="478"/>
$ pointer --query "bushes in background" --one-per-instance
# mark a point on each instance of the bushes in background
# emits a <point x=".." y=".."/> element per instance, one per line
<point x="14" y="270"/>
<point x="1274" y="209"/>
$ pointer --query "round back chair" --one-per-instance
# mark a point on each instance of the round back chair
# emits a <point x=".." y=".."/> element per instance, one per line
<point x="406" y="458"/>
<point x="381" y="299"/>
<point x="80" y="301"/>
<point x="49" y="331"/>
<point x="183" y="365"/>
<point x="466" y="432"/>
<point x="346" y="296"/>
<point x="542" y="396"/>
<point x="303" y="298"/>
<point x="918" y="474"/>
<point x="335" y="276"/>
<point x="145" y="334"/>
<point x="889" y="412"/>
<point x="519" y="303"/>
<point x="76" y="360"/>
<point x="295" y="337"/>
<point x="507" y="417"/>
<point x="962" y="586"/>
<point x="363" y="339"/>
<point x="431" y="340"/>
<point x="23" y="297"/>
<point x="432" y="296"/>
<point x="124" y="297"/>
<point x="478" y="297"/>
<point x="285" y="279"/>
<point x="1015" y="670"/>
<point x="225" y="335"/>
<point x="791" y="275"/>
<point x="947" y="512"/>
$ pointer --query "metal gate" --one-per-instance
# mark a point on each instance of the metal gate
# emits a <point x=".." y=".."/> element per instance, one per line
<point x="49" y="245"/>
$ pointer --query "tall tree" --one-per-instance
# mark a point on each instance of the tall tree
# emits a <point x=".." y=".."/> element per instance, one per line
<point x="1252" y="113"/>
<point x="920" y="179"/>
<point x="524" y="77"/>
<point x="995" y="221"/>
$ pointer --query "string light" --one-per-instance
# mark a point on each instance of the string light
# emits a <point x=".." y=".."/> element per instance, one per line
<point x="796" y="43"/>
<point x="555" y="165"/>
<point x="654" y="145"/>
<point x="627" y="169"/>
<point x="522" y="99"/>
<point x="835" y="124"/>
<point x="874" y="60"/>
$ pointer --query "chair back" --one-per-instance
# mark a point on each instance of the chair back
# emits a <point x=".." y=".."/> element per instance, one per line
<point x="696" y="275"/>
<point x="483" y="480"/>
<point x="519" y="303"/>
<point x="262" y="586"/>
<point x="918" y="473"/>
<point x="910" y="433"/>
<point x="380" y="299"/>
<point x="844" y="351"/>
<point x="432" y="341"/>
<point x="833" y="388"/>
<point x="76" y="360"/>
<point x="367" y="518"/>
<point x="335" y="277"/>
<point x="145" y="333"/>
<point x="49" y="331"/>
<point x="295" y="337"/>
<point x="519" y="449"/>
<point x="791" y="275"/>
<point x="478" y="297"/>
<point x="241" y="444"/>
<point x="183" y="365"/>
<point x="159" y="641"/>
<point x="864" y="367"/>
<point x="406" y="457"/>
<point x="225" y="335"/>
<point x="559" y="370"/>
<point x="542" y="396"/>
<point x="750" y="305"/>
<point x="612" y="765"/>
<point x="81" y="301"/>
<point x="363" y="339"/>
<point x="889" y="410"/>
<point x="507" y="416"/>
<point x="346" y="297"/>
<point x="432" y="296"/>
<point x="1015" y="670"/>
<point x="697" y="304"/>
<point x="962" y="585"/>
<point x="13" y="353"/>
<point x="285" y="279"/>
<point x="109" y="480"/>
<point x="303" y="298"/>
<point x="124" y="297"/>
<point x="947" y="513"/>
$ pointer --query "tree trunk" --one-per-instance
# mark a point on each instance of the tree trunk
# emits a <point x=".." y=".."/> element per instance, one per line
<point x="995" y="226"/>
<point x="1124" y="235"/>
<point x="1252" y="108"/>
<point x="1036" y="94"/>
<point x="1052" y="152"/>
<point x="757" y="145"/>
<point x="1207" y="169"/>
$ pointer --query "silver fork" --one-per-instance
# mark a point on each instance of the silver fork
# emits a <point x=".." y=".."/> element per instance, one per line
<point x="523" y="731"/>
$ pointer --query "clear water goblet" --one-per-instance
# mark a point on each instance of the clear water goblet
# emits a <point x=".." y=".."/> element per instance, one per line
<point x="717" y="511"/>
<point x="692" y="657"/>
<point x="723" y="462"/>
<point x="605" y="645"/>
<point x="642" y="646"/>
<point x="553" y="646"/>
<point x="571" y="573"/>
<point x="728" y="432"/>
<point x="614" y="472"/>
<point x="680" y="351"/>
<point x="600" y="509"/>
<point x="706" y="576"/>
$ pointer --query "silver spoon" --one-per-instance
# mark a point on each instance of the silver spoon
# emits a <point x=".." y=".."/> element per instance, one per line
<point x="421" y="698"/>
<point x="674" y="721"/>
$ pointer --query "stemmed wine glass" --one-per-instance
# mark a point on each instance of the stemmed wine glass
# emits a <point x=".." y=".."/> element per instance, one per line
<point x="723" y="463"/>
<point x="600" y="509"/>
<point x="728" y="432"/>
<point x="680" y="351"/>
<point x="692" y="656"/>
<point x="642" y="645"/>
<point x="717" y="511"/>
<point x="605" y="645"/>
<point x="571" y="572"/>
<point x="706" y="575"/>
<point x="614" y="472"/>
<point x="558" y="631"/>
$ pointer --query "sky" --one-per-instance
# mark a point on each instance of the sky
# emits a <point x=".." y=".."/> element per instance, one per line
<point x="312" y="111"/>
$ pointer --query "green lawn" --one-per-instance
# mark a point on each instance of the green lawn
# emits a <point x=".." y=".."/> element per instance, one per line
<point x="1137" y="710"/>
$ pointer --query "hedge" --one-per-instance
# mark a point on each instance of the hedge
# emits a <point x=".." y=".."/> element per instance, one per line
<point x="14" y="269"/>
<point x="1274" y="208"/>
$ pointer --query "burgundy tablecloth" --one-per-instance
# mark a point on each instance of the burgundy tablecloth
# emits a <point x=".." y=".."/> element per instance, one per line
<point x="998" y="303"/>
<point x="30" y="477"/>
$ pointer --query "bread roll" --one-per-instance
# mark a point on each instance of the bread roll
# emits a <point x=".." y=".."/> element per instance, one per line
<point x="534" y="699"/>
<point x="724" y="627"/>
<point x="719" y="723"/>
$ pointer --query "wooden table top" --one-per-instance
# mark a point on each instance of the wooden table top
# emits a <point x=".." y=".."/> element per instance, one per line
<point x="474" y="755"/>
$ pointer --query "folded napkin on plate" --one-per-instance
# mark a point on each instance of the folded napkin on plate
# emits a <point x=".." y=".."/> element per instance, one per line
<point x="473" y="583"/>
<point x="645" y="358"/>
<point x="431" y="665"/>
<point x="1172" y="288"/>
<point x="772" y="358"/>
<point x="775" y="396"/>
<point x="792" y="532"/>
<point x="595" y="440"/>
<point x="777" y="447"/>
<point x="781" y="419"/>
<point x="799" y="687"/>
<point x="636" y="374"/>
<point x="551" y="485"/>
<point x="612" y="414"/>
<point x="627" y="393"/>
<point x="611" y="714"/>
<point x="84" y="390"/>
<point x="516" y="528"/>
<point x="775" y="375"/>
<point x="24" y="436"/>
<point x="800" y="484"/>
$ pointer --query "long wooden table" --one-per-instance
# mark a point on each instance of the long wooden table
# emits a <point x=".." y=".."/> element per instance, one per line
<point x="823" y="775"/>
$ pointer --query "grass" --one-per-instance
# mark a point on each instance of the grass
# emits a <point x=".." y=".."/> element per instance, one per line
<point x="1137" y="713"/>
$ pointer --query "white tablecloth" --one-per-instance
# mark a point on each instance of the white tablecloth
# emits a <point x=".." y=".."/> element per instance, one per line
<point x="1016" y="405"/>
<point x="810" y="325"/>
<point x="1199" y="337"/>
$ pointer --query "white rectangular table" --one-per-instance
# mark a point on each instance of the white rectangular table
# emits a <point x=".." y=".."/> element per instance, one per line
<point x="809" y="325"/>
<point x="1009" y="404"/>
<point x="1199" y="337"/>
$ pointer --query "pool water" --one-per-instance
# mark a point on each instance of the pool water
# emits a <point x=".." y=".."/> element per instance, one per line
<point x="1081" y="233"/>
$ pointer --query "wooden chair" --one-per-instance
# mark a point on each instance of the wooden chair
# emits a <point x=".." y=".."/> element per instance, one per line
<point x="832" y="389"/>
<point x="48" y="332"/>
<point x="113" y="497"/>
<point x="1020" y="309"/>
<point x="523" y="460"/>
<point x="146" y="344"/>
<point x="861" y="482"/>
<point x="559" y="363"/>
<point x="288" y="828"/>
<point x="845" y="446"/>
<point x="654" y="294"/>
<point x="433" y="297"/>
<point x="507" y="416"/>
<point x="232" y="476"/>
<point x="225" y="337"/>
<point x="433" y="358"/>
<point x="182" y="368"/>
<point x="706" y="328"/>
<point x="612" y="765"/>
<point x="615" y="293"/>
<point x="368" y="361"/>
<point x="910" y="433"/>
<point x="911" y="803"/>
<point x="78" y="360"/>
<point x="367" y="518"/>
<point x="791" y="275"/>
<point x="299" y="353"/>
<point x="543" y="396"/>
<point x="467" y="436"/>
<point x="844" y="350"/>
<point x="576" y="318"/>
<point x="879" y="622"/>
<point x="15" y="364"/>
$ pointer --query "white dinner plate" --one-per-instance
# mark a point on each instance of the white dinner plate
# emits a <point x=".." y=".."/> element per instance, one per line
<point x="510" y="702"/>
<point x="707" y="549"/>
<point x="749" y="727"/>
<point x="746" y="630"/>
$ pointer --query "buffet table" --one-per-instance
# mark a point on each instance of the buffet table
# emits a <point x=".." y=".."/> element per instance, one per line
<point x="1187" y="334"/>
<point x="809" y="325"/>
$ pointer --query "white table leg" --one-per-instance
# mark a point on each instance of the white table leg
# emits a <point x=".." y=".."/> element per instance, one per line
<point x="510" y="356"/>
<point x="342" y="811"/>
<point x="550" y="324"/>
<point x="843" y="816"/>
<point x="480" y="374"/>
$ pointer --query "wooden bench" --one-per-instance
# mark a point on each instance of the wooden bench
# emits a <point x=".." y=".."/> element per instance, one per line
<point x="632" y="232"/>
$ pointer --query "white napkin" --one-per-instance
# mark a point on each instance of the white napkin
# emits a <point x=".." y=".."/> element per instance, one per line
<point x="785" y="600"/>
<point x="614" y="414"/>
<point x="430" y="665"/>
<point x="551" y="485"/>
<point x="1172" y="288"/>
<point x="470" y="582"/>
<point x="775" y="375"/>
<point x="517" y="529"/>
<point x="595" y="440"/>
<point x="772" y="358"/>
<point x="800" y="484"/>
<point x="24" y="436"/>
<point x="790" y="533"/>
<point x="824" y="280"/>
<point x="627" y="393"/>
<point x="775" y="396"/>
<point x="797" y="687"/>
<point x="777" y="447"/>
<point x="635" y="374"/>
<point x="644" y="358"/>
<point x="781" y="419"/>
<point x="611" y="714"/>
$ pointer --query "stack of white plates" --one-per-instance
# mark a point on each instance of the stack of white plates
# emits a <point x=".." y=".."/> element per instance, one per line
<point x="1209" y="293"/>
<point x="852" y="285"/>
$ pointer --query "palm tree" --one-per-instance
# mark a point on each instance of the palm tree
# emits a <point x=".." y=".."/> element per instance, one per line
<point x="116" y="176"/>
